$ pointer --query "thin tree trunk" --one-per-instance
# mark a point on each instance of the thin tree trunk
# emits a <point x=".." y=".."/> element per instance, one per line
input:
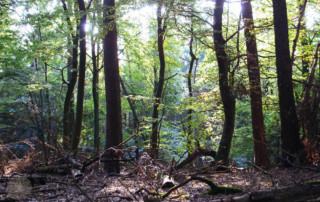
<point x="51" y="138"/>
<point x="95" y="82"/>
<point x="82" y="73"/>
<point x="133" y="109"/>
<point x="291" y="145"/>
<point x="190" y="111"/>
<point x="259" y="136"/>
<point x="112" y="85"/>
<point x="68" y="112"/>
<point x="228" y="100"/>
<point x="159" y="87"/>
<point x="95" y="95"/>
<point x="309" y="115"/>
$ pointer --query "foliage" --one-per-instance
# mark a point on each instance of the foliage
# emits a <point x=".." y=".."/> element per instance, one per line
<point x="34" y="53"/>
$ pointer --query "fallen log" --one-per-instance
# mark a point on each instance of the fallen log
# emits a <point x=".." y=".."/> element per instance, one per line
<point x="301" y="192"/>
<point x="214" y="189"/>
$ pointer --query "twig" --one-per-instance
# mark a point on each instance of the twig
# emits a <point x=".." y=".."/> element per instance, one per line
<point x="297" y="166"/>
<point x="128" y="190"/>
<point x="97" y="157"/>
<point x="83" y="192"/>
<point x="171" y="77"/>
<point x="132" y="136"/>
<point x="171" y="167"/>
<point x="264" y="171"/>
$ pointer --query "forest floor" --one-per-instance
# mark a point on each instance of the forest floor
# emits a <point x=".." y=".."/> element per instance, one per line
<point x="140" y="182"/>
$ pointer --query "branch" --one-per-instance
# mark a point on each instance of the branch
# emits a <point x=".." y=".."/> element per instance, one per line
<point x="230" y="37"/>
<point x="171" y="77"/>
<point x="89" y="5"/>
<point x="295" y="41"/>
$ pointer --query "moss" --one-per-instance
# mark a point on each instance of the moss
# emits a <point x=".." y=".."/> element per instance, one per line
<point x="313" y="182"/>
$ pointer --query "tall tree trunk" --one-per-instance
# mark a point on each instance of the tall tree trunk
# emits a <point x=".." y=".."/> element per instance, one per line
<point x="190" y="111"/>
<point x="112" y="84"/>
<point x="291" y="145"/>
<point x="159" y="87"/>
<point x="68" y="112"/>
<point x="95" y="95"/>
<point x="228" y="100"/>
<point x="47" y="121"/>
<point x="51" y="138"/>
<point x="95" y="82"/>
<point x="310" y="106"/>
<point x="82" y="73"/>
<point x="259" y="136"/>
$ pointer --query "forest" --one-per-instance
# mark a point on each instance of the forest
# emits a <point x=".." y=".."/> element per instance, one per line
<point x="159" y="100"/>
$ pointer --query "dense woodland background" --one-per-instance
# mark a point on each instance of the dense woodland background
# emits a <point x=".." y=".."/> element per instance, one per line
<point x="239" y="79"/>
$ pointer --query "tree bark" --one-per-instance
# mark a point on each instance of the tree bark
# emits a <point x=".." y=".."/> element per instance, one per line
<point x="291" y="145"/>
<point x="112" y="85"/>
<point x="259" y="136"/>
<point x="82" y="74"/>
<point x="228" y="100"/>
<point x="159" y="87"/>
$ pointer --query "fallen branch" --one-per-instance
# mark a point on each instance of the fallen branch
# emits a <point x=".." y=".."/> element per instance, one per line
<point x="215" y="189"/>
<point x="194" y="155"/>
<point x="97" y="157"/>
<point x="306" y="192"/>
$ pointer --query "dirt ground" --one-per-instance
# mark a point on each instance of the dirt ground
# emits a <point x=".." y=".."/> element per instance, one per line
<point x="141" y="182"/>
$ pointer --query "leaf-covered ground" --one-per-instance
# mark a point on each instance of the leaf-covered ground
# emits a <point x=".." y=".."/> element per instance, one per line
<point x="139" y="182"/>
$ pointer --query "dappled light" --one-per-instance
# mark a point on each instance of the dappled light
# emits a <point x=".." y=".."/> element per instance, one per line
<point x="159" y="100"/>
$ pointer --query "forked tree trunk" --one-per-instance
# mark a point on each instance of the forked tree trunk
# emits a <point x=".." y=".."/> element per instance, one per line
<point x="259" y="136"/>
<point x="112" y="85"/>
<point x="154" y="143"/>
<point x="228" y="100"/>
<point x="82" y="73"/>
<point x="291" y="145"/>
<point x="68" y="112"/>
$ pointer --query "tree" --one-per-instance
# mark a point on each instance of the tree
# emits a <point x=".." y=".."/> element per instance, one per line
<point x="291" y="145"/>
<point x="154" y="138"/>
<point x="112" y="85"/>
<point x="259" y="136"/>
<point x="82" y="74"/>
<point x="228" y="100"/>
<point x="68" y="112"/>
<point x="95" y="82"/>
<point x="190" y="111"/>
<point x="310" y="108"/>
